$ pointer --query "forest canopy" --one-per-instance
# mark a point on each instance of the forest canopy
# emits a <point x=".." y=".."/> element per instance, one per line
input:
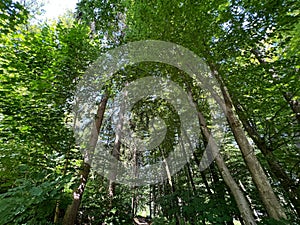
<point x="135" y="66"/>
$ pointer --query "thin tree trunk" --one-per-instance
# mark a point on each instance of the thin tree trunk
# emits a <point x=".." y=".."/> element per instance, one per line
<point x="72" y="210"/>
<point x="113" y="175"/>
<point x="203" y="176"/>
<point x="116" y="150"/>
<point x="190" y="177"/>
<point x="171" y="184"/>
<point x="154" y="200"/>
<point x="150" y="201"/>
<point x="237" y="193"/>
<point x="133" y="188"/>
<point x="188" y="171"/>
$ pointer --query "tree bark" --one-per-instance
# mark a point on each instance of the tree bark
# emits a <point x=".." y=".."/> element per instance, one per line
<point x="202" y="173"/>
<point x="72" y="210"/>
<point x="113" y="175"/>
<point x="237" y="193"/>
<point x="287" y="183"/>
<point x="116" y="150"/>
<point x="134" y="198"/>
<point x="258" y="175"/>
<point x="171" y="184"/>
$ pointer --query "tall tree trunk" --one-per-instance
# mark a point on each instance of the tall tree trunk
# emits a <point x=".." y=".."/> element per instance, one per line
<point x="116" y="150"/>
<point x="72" y="210"/>
<point x="190" y="178"/>
<point x="287" y="183"/>
<point x="171" y="184"/>
<point x="150" y="201"/>
<point x="267" y="195"/>
<point x="154" y="194"/>
<point x="189" y="172"/>
<point x="133" y="188"/>
<point x="202" y="173"/>
<point x="237" y="193"/>
<point x="113" y="174"/>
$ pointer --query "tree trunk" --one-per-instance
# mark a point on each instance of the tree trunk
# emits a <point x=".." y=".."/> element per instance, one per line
<point x="134" y="199"/>
<point x="287" y="183"/>
<point x="237" y="193"/>
<point x="171" y="184"/>
<point x="113" y="175"/>
<point x="72" y="210"/>
<point x="116" y="150"/>
<point x="258" y="175"/>
<point x="190" y="178"/>
<point x="202" y="173"/>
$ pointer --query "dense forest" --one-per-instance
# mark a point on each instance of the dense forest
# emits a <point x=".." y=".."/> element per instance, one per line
<point x="242" y="170"/>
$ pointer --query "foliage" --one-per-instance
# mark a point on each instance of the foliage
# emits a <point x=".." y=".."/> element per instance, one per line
<point x="38" y="77"/>
<point x="95" y="204"/>
<point x="32" y="201"/>
<point x="254" y="47"/>
<point x="11" y="15"/>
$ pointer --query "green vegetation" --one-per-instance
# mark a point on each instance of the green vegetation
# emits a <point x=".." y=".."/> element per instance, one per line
<point x="252" y="50"/>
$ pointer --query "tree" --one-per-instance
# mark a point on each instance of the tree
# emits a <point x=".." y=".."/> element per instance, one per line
<point x="37" y="81"/>
<point x="251" y="48"/>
